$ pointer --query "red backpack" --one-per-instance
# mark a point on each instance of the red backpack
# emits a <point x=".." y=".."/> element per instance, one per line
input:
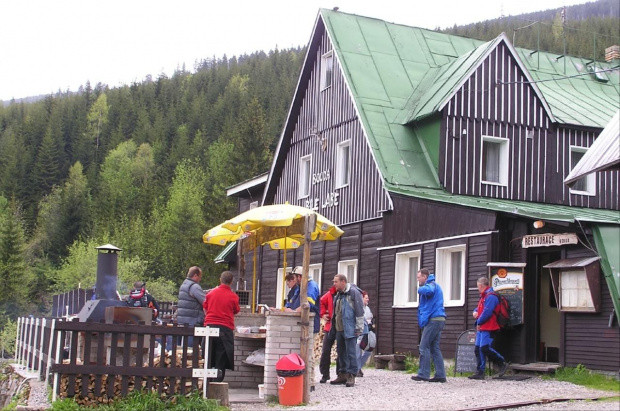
<point x="502" y="311"/>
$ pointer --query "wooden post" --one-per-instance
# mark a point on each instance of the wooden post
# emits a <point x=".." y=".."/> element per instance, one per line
<point x="219" y="391"/>
<point x="310" y="224"/>
<point x="241" y="278"/>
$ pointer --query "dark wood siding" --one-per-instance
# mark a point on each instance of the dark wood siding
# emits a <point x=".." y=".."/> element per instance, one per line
<point x="332" y="114"/>
<point x="417" y="220"/>
<point x="411" y="221"/>
<point x="588" y="339"/>
<point x="497" y="102"/>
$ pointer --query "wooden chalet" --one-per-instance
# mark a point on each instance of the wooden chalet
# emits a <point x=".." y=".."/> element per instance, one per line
<point x="438" y="151"/>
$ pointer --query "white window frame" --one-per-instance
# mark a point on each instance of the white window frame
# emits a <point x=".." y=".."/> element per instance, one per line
<point x="280" y="284"/>
<point x="504" y="150"/>
<point x="305" y="174"/>
<point x="443" y="273"/>
<point x="340" y="167"/>
<point x="574" y="292"/>
<point x="253" y="205"/>
<point x="590" y="178"/>
<point x="327" y="70"/>
<point x="343" y="268"/>
<point x="403" y="279"/>
<point x="316" y="272"/>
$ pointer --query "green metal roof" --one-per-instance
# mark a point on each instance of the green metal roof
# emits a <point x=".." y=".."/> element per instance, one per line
<point x="538" y="211"/>
<point x="400" y="75"/>
<point x="607" y="239"/>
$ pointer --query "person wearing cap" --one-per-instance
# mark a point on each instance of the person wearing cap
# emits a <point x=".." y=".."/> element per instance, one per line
<point x="313" y="296"/>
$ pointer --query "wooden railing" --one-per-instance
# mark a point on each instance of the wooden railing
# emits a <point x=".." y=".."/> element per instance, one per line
<point x="104" y="361"/>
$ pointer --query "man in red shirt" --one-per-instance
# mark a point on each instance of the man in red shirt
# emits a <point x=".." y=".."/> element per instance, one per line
<point x="221" y="304"/>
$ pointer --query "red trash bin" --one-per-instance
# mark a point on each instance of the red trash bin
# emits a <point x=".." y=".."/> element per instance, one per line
<point x="290" y="370"/>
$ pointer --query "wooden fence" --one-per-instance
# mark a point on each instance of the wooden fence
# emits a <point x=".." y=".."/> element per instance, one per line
<point x="97" y="362"/>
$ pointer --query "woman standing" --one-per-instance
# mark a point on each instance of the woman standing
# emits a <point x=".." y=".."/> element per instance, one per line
<point x="362" y="355"/>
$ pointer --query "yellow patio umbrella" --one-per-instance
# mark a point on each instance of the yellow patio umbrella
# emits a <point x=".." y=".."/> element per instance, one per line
<point x="282" y="215"/>
<point x="219" y="235"/>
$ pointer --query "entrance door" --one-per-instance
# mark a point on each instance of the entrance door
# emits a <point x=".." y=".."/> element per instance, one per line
<point x="549" y="316"/>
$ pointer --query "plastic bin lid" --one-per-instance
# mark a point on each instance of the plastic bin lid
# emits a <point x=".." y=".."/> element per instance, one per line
<point x="290" y="362"/>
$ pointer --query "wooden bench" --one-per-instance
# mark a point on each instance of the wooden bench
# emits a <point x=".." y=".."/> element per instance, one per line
<point x="393" y="362"/>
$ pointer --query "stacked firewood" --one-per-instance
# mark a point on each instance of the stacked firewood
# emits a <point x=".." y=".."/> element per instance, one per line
<point x="93" y="398"/>
<point x="318" y="345"/>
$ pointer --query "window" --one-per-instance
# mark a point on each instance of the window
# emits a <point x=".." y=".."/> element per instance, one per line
<point x="343" y="164"/>
<point x="576" y="284"/>
<point x="405" y="279"/>
<point x="253" y="205"/>
<point x="280" y="297"/>
<point x="450" y="274"/>
<point x="327" y="70"/>
<point x="494" y="160"/>
<point x="315" y="274"/>
<point x="305" y="164"/>
<point x="348" y="268"/>
<point x="585" y="185"/>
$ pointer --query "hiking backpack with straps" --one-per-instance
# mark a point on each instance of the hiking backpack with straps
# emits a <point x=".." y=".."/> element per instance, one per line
<point x="502" y="311"/>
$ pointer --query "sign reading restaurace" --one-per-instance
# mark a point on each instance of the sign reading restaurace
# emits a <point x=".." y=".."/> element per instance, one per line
<point x="548" y="240"/>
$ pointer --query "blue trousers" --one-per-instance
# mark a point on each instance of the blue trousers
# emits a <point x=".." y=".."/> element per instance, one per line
<point x="429" y="349"/>
<point x="484" y="348"/>
<point x="347" y="354"/>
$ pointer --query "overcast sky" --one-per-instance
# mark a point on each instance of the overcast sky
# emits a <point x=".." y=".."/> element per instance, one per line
<point x="47" y="45"/>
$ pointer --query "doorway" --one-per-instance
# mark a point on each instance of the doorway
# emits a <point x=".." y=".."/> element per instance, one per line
<point x="549" y="318"/>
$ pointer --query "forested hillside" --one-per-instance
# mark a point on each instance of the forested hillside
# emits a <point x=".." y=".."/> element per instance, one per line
<point x="585" y="29"/>
<point x="143" y="167"/>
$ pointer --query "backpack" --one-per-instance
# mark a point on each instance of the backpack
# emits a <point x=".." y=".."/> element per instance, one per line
<point x="502" y="311"/>
<point x="368" y="342"/>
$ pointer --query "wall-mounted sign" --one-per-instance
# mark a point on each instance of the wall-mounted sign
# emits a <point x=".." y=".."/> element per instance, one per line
<point x="507" y="280"/>
<point x="548" y="240"/>
<point x="330" y="200"/>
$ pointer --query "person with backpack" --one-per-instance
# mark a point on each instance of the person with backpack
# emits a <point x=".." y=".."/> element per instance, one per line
<point x="486" y="327"/>
<point x="140" y="297"/>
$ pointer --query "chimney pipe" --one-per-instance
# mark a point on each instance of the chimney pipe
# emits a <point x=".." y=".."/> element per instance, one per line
<point x="107" y="272"/>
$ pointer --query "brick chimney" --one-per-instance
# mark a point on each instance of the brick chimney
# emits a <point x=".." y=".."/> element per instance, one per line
<point x="612" y="53"/>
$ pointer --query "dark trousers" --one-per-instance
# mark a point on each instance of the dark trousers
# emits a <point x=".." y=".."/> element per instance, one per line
<point x="347" y="354"/>
<point x="326" y="356"/>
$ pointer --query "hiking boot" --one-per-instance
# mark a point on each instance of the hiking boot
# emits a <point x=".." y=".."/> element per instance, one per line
<point x="360" y="373"/>
<point x="438" y="379"/>
<point x="418" y="378"/>
<point x="324" y="379"/>
<point x="350" y="380"/>
<point x="477" y="376"/>
<point x="341" y="379"/>
<point x="502" y="370"/>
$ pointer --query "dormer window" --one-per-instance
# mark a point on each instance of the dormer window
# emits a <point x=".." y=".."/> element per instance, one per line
<point x="585" y="185"/>
<point x="327" y="70"/>
<point x="494" y="160"/>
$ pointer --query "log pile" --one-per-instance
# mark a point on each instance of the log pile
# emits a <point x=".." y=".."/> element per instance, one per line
<point x="95" y="398"/>
<point x="318" y="344"/>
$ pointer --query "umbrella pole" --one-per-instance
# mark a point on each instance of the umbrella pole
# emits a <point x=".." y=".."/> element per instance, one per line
<point x="254" y="281"/>
<point x="283" y="273"/>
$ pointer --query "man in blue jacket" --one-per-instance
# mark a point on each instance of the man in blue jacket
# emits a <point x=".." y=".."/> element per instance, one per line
<point x="431" y="319"/>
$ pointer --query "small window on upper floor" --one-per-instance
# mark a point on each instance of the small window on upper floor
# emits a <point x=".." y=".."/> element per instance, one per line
<point x="587" y="184"/>
<point x="343" y="164"/>
<point x="494" y="168"/>
<point x="327" y="70"/>
<point x="305" y="164"/>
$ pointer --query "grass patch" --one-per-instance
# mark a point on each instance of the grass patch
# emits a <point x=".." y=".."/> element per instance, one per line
<point x="146" y="401"/>
<point x="580" y="375"/>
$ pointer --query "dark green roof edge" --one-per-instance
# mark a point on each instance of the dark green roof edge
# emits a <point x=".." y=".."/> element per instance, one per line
<point x="607" y="240"/>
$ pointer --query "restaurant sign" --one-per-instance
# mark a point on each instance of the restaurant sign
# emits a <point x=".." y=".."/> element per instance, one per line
<point x="548" y="240"/>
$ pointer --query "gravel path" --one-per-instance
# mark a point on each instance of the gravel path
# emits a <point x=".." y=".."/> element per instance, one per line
<point x="394" y="390"/>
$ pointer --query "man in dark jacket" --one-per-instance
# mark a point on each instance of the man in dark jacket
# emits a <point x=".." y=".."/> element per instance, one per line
<point x="486" y="327"/>
<point x="140" y="297"/>
<point x="347" y="325"/>
<point x="191" y="297"/>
